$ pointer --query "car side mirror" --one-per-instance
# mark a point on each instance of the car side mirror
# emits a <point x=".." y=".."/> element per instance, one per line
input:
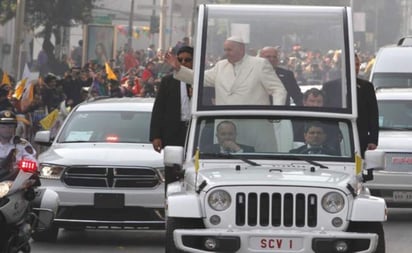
<point x="43" y="138"/>
<point x="172" y="156"/>
<point x="374" y="159"/>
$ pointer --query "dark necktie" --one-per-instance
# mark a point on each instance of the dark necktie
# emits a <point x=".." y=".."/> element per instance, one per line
<point x="189" y="90"/>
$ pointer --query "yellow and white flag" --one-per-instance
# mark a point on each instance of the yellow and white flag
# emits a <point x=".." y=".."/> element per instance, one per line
<point x="48" y="121"/>
<point x="358" y="163"/>
<point x="5" y="79"/>
<point x="110" y="74"/>
<point x="18" y="91"/>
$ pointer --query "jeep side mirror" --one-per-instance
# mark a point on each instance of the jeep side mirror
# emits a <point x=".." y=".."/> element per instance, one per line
<point x="172" y="156"/>
<point x="374" y="159"/>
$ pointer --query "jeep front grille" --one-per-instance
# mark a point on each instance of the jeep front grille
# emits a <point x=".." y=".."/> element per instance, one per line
<point x="108" y="177"/>
<point x="276" y="209"/>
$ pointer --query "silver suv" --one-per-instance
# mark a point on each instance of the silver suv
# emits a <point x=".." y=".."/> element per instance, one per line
<point x="395" y="138"/>
<point x="103" y="168"/>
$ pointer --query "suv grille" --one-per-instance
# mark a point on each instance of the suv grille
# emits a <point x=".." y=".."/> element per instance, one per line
<point x="276" y="209"/>
<point x="107" y="177"/>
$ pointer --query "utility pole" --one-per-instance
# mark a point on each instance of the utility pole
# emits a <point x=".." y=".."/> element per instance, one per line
<point x="19" y="27"/>
<point x="130" y="37"/>
<point x="162" y="25"/>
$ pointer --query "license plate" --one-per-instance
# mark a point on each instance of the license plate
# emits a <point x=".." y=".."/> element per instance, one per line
<point x="108" y="200"/>
<point x="275" y="244"/>
<point x="402" y="196"/>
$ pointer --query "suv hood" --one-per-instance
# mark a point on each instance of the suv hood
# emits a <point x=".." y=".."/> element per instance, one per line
<point x="395" y="140"/>
<point x="267" y="175"/>
<point x="122" y="154"/>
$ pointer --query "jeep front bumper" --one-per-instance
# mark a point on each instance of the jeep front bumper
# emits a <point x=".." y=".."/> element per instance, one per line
<point x="220" y="240"/>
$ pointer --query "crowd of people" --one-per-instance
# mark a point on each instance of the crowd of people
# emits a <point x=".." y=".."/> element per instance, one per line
<point x="139" y="73"/>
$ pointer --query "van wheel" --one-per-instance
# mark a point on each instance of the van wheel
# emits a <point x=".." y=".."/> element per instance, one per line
<point x="176" y="223"/>
<point x="370" y="227"/>
<point x="48" y="235"/>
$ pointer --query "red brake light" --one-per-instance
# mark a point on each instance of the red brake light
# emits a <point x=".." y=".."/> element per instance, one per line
<point x="28" y="166"/>
<point x="112" y="138"/>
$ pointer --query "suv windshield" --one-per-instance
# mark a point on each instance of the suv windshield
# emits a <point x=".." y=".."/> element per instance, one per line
<point x="395" y="114"/>
<point x="392" y="80"/>
<point x="310" y="45"/>
<point x="274" y="136"/>
<point x="107" y="126"/>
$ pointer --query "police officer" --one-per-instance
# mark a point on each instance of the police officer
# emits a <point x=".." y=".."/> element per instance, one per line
<point x="10" y="143"/>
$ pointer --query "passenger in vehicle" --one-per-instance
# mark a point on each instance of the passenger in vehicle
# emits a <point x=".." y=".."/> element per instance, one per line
<point x="239" y="79"/>
<point x="315" y="140"/>
<point x="286" y="76"/>
<point x="226" y="134"/>
<point x="315" y="98"/>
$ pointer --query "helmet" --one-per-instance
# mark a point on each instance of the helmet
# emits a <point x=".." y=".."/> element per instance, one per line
<point x="7" y="117"/>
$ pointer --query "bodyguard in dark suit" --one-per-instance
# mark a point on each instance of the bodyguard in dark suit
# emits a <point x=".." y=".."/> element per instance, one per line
<point x="171" y="111"/>
<point x="368" y="114"/>
<point x="286" y="76"/>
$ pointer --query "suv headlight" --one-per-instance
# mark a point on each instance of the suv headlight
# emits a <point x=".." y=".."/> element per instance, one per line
<point x="161" y="172"/>
<point x="219" y="200"/>
<point x="51" y="171"/>
<point x="5" y="187"/>
<point x="333" y="202"/>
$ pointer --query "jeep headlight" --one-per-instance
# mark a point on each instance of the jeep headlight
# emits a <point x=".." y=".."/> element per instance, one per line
<point x="219" y="200"/>
<point x="333" y="202"/>
<point x="49" y="171"/>
<point x="5" y="188"/>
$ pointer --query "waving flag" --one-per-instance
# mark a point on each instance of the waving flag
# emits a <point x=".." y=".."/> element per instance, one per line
<point x="110" y="74"/>
<point x="6" y="79"/>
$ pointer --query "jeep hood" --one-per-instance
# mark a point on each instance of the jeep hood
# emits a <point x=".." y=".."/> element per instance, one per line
<point x="266" y="175"/>
<point x="122" y="154"/>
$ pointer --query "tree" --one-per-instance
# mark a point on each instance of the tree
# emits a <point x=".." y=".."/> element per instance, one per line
<point x="51" y="15"/>
<point x="7" y="11"/>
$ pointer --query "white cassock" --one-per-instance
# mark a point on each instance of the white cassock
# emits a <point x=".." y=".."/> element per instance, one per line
<point x="248" y="82"/>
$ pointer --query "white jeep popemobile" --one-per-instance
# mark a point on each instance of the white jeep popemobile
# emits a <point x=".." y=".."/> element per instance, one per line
<point x="268" y="195"/>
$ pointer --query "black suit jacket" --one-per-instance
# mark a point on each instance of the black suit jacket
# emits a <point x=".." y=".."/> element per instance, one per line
<point x="368" y="115"/>
<point x="166" y="115"/>
<point x="215" y="148"/>
<point x="333" y="93"/>
<point x="305" y="150"/>
<point x="289" y="82"/>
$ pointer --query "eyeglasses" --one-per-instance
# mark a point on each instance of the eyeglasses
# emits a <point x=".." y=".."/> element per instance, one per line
<point x="181" y="60"/>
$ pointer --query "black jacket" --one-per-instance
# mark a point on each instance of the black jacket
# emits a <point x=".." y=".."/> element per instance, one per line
<point x="289" y="82"/>
<point x="368" y="115"/>
<point x="215" y="148"/>
<point x="166" y="119"/>
<point x="320" y="150"/>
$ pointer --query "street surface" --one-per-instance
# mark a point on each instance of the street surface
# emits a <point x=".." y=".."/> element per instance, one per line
<point x="397" y="230"/>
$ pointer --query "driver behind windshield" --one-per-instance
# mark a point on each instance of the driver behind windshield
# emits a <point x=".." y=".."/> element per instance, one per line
<point x="315" y="137"/>
<point x="226" y="134"/>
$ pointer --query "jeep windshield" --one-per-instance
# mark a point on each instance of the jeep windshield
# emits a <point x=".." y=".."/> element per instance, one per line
<point x="106" y="126"/>
<point x="312" y="52"/>
<point x="268" y="137"/>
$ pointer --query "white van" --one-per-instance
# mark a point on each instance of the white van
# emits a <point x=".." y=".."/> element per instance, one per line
<point x="392" y="68"/>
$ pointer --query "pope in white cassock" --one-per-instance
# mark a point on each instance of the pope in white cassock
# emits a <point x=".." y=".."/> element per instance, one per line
<point x="239" y="79"/>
